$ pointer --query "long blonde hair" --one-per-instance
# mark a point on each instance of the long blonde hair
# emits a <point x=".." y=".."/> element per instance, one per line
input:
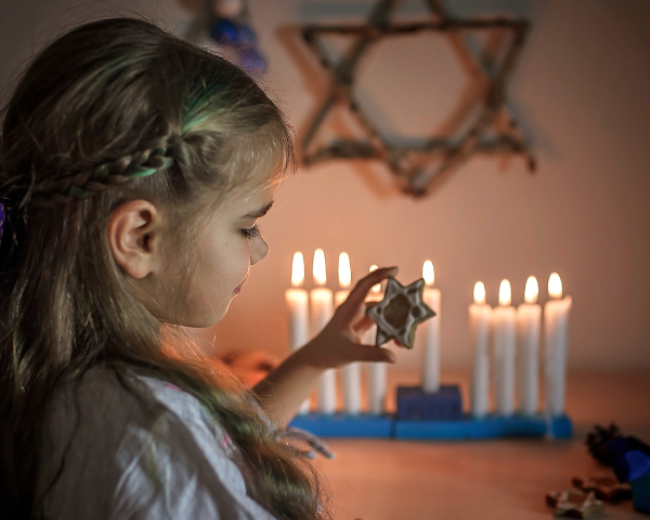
<point x="112" y="111"/>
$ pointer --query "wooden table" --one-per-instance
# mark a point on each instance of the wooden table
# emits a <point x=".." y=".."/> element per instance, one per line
<point x="502" y="479"/>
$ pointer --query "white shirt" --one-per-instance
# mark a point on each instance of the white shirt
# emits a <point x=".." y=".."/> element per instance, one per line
<point x="124" y="460"/>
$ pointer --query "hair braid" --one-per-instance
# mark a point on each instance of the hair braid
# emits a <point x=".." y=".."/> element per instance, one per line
<point x="86" y="184"/>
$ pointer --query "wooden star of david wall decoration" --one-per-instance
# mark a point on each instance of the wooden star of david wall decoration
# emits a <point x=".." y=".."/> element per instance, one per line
<point x="400" y="312"/>
<point x="488" y="128"/>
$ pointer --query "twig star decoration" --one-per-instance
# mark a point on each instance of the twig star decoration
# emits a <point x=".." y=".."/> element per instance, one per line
<point x="489" y="128"/>
<point x="400" y="312"/>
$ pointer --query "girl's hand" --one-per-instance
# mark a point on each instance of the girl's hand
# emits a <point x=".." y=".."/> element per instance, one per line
<point x="338" y="343"/>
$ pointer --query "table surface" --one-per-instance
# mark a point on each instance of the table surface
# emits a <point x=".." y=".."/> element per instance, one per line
<point x="497" y="479"/>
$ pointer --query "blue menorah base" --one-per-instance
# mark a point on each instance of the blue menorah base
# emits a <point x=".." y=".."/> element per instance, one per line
<point x="489" y="427"/>
<point x="344" y="425"/>
<point x="415" y="405"/>
<point x="465" y="428"/>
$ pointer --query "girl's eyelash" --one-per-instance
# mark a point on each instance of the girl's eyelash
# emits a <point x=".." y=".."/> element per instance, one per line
<point x="253" y="232"/>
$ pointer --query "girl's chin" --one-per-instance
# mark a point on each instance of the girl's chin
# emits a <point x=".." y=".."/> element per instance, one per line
<point x="209" y="319"/>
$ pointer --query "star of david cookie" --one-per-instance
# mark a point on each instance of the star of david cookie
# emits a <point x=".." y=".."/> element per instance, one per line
<point x="400" y="312"/>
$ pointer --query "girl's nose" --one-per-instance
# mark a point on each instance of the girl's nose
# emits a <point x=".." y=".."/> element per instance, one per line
<point x="259" y="249"/>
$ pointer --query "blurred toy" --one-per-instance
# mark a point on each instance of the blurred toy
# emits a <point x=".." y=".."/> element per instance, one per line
<point x="225" y="25"/>
<point x="628" y="456"/>
<point x="413" y="404"/>
<point x="574" y="504"/>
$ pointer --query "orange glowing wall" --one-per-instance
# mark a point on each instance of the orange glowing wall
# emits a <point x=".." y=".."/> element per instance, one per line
<point x="582" y="94"/>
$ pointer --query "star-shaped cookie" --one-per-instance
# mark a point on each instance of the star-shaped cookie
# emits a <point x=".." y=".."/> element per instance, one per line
<point x="400" y="312"/>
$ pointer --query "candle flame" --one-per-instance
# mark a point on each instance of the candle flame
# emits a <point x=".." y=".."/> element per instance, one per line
<point x="345" y="272"/>
<point x="297" y="270"/>
<point x="428" y="273"/>
<point x="479" y="293"/>
<point x="320" y="272"/>
<point x="532" y="290"/>
<point x="555" y="286"/>
<point x="377" y="287"/>
<point x="505" y="293"/>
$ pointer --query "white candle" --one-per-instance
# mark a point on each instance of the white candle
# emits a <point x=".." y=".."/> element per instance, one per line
<point x="428" y="334"/>
<point x="351" y="373"/>
<point x="376" y="371"/>
<point x="479" y="324"/>
<point x="529" y="320"/>
<point x="322" y="310"/>
<point x="556" y="331"/>
<point x="298" y="303"/>
<point x="504" y="325"/>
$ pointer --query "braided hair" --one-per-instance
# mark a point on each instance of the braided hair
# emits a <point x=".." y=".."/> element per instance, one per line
<point x="119" y="110"/>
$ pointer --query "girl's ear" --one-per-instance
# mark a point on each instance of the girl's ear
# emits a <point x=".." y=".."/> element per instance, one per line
<point x="134" y="236"/>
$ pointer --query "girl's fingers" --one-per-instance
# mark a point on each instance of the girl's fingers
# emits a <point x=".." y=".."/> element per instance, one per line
<point x="368" y="353"/>
<point x="363" y="324"/>
<point x="361" y="289"/>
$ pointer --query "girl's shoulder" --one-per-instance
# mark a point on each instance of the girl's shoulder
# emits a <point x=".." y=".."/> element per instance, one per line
<point x="120" y="445"/>
<point x="187" y="408"/>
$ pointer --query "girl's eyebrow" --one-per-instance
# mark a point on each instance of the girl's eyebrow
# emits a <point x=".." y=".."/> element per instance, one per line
<point x="260" y="212"/>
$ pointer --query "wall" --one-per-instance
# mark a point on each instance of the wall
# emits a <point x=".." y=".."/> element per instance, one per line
<point x="580" y="94"/>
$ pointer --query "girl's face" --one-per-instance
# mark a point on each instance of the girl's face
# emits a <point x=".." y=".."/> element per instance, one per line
<point x="228" y="244"/>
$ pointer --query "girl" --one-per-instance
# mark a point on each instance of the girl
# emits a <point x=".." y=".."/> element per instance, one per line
<point x="133" y="170"/>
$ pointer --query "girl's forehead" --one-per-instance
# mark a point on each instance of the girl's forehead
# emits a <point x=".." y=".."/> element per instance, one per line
<point x="248" y="199"/>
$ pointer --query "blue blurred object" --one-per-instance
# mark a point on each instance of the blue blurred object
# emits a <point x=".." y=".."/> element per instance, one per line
<point x="467" y="428"/>
<point x="641" y="493"/>
<point x="343" y="425"/>
<point x="628" y="456"/>
<point x="224" y="32"/>
<point x="415" y="405"/>
<point x="631" y="465"/>
<point x="252" y="61"/>
<point x="240" y="37"/>
<point x="246" y="36"/>
<point x="489" y="427"/>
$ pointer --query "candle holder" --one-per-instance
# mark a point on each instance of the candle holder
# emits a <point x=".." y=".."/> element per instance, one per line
<point x="347" y="425"/>
<point x="489" y="427"/>
<point x="451" y="422"/>
<point x="413" y="404"/>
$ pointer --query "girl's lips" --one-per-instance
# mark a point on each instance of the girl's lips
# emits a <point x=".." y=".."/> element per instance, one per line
<point x="239" y="287"/>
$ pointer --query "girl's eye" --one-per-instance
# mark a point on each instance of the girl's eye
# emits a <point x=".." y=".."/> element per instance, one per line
<point x="253" y="232"/>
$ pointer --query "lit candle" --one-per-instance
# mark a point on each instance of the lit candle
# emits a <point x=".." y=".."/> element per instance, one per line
<point x="504" y="325"/>
<point x="322" y="310"/>
<point x="529" y="320"/>
<point x="556" y="331"/>
<point x="345" y="279"/>
<point x="298" y="303"/>
<point x="376" y="371"/>
<point x="479" y="325"/>
<point x="351" y="373"/>
<point x="428" y="334"/>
